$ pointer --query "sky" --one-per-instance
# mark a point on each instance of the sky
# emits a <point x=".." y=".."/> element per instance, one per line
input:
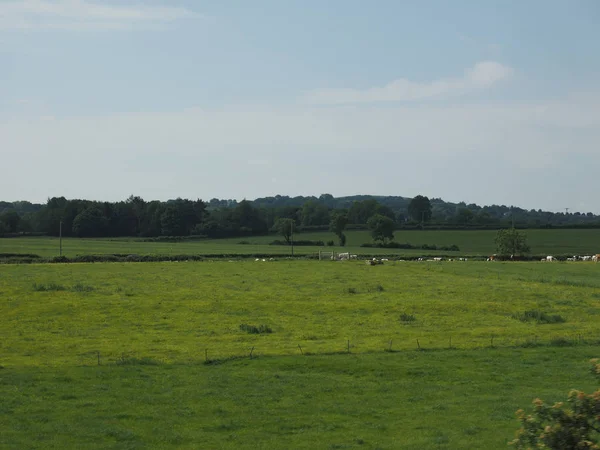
<point x="489" y="102"/>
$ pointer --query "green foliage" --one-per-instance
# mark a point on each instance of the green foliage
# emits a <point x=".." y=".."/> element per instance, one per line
<point x="253" y="329"/>
<point x="48" y="287"/>
<point x="9" y="221"/>
<point x="511" y="242"/>
<point x="575" y="425"/>
<point x="284" y="227"/>
<point x="382" y="228"/>
<point x="404" y="317"/>
<point x="339" y="221"/>
<point x="89" y="223"/>
<point x="534" y="315"/>
<point x="419" y="209"/>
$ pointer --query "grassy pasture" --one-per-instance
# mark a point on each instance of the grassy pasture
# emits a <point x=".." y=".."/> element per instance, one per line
<point x="470" y="242"/>
<point x="152" y="323"/>
<point x="461" y="399"/>
<point x="60" y="314"/>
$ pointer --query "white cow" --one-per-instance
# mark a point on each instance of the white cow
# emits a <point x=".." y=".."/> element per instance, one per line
<point x="550" y="258"/>
<point x="596" y="258"/>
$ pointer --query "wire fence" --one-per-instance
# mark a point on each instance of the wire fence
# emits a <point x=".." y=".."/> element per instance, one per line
<point x="216" y="354"/>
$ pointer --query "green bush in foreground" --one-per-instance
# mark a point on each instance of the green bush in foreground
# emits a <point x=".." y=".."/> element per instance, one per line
<point x="562" y="427"/>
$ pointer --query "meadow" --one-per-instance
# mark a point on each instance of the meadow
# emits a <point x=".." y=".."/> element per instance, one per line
<point x="542" y="242"/>
<point x="402" y="355"/>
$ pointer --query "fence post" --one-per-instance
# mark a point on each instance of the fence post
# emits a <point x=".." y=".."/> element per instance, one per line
<point x="301" y="352"/>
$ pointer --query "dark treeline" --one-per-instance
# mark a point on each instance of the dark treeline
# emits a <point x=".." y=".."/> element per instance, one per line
<point x="229" y="218"/>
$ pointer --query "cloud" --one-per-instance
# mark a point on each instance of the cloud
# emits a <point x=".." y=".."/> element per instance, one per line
<point x="482" y="75"/>
<point x="539" y="155"/>
<point x="82" y="15"/>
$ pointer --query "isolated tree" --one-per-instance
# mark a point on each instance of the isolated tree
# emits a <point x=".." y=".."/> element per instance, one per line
<point x="337" y="225"/>
<point x="382" y="228"/>
<point x="511" y="242"/>
<point x="419" y="209"/>
<point x="284" y="227"/>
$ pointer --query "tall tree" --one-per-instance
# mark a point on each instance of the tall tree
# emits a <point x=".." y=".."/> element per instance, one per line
<point x="284" y="227"/>
<point x="339" y="220"/>
<point x="382" y="228"/>
<point x="10" y="219"/>
<point x="89" y="223"/>
<point x="419" y="209"/>
<point x="511" y="242"/>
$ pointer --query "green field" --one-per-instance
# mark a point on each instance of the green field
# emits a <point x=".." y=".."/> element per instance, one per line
<point x="551" y="242"/>
<point x="154" y="324"/>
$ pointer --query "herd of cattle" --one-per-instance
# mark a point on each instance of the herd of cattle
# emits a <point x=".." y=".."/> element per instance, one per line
<point x="550" y="258"/>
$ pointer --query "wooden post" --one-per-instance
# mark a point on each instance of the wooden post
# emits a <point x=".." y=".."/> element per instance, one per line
<point x="301" y="352"/>
<point x="251" y="352"/>
<point x="418" y="345"/>
<point x="390" y="349"/>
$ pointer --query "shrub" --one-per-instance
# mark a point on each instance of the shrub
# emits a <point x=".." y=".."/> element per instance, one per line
<point x="351" y="290"/>
<point x="48" y="287"/>
<point x="252" y="329"/>
<point x="560" y="427"/>
<point x="79" y="287"/>
<point x="407" y="318"/>
<point x="538" y="316"/>
<point x="330" y="243"/>
<point x="561" y="342"/>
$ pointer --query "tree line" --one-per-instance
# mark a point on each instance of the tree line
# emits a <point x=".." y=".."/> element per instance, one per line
<point x="281" y="214"/>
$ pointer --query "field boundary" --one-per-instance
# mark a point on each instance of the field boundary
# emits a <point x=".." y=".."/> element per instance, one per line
<point x="212" y="356"/>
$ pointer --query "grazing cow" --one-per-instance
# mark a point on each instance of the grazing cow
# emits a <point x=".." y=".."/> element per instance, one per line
<point x="437" y="259"/>
<point x="586" y="258"/>
<point x="596" y="257"/>
<point x="492" y="258"/>
<point x="353" y="256"/>
<point x="343" y="256"/>
<point x="550" y="258"/>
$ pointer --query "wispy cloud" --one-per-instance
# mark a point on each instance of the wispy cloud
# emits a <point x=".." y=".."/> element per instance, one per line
<point x="482" y="75"/>
<point x="85" y="15"/>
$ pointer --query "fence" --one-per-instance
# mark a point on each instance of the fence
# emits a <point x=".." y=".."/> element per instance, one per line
<point x="217" y="354"/>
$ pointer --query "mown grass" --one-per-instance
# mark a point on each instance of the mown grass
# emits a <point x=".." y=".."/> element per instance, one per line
<point x="470" y="243"/>
<point x="152" y="326"/>
<point x="410" y="400"/>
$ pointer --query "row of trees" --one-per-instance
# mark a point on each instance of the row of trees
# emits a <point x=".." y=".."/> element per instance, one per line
<point x="183" y="217"/>
<point x="225" y="218"/>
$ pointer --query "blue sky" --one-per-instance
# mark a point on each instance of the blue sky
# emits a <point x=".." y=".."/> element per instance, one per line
<point x="485" y="102"/>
